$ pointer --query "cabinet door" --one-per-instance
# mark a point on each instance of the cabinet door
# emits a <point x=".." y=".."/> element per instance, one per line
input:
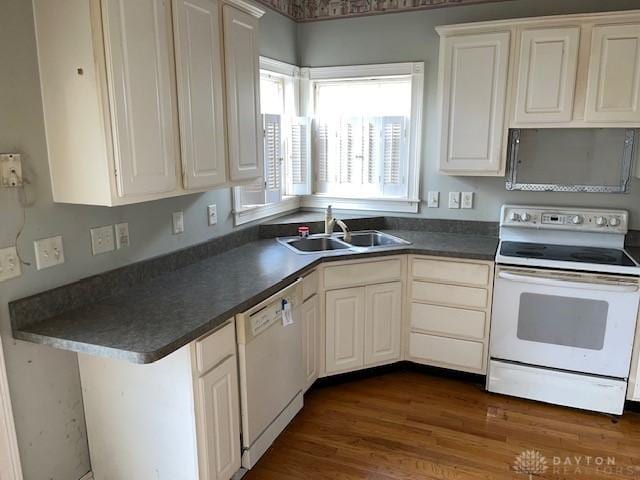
<point x="547" y="74"/>
<point x="473" y="89"/>
<point x="199" y="69"/>
<point x="221" y="405"/>
<point x="139" y="53"/>
<point x="243" y="95"/>
<point x="345" y="329"/>
<point x="310" y="314"/>
<point x="383" y="323"/>
<point x="613" y="88"/>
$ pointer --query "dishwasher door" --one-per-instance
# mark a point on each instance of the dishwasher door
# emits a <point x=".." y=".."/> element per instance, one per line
<point x="271" y="371"/>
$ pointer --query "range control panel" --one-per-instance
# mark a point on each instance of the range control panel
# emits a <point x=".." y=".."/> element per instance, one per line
<point x="578" y="219"/>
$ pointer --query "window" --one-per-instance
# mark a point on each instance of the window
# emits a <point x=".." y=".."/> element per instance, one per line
<point x="283" y="152"/>
<point x="366" y="128"/>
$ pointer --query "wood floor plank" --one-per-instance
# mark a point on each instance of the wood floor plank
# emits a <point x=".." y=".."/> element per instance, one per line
<point x="407" y="425"/>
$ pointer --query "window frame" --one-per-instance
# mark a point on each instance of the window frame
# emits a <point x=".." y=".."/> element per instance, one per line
<point x="291" y="76"/>
<point x="413" y="70"/>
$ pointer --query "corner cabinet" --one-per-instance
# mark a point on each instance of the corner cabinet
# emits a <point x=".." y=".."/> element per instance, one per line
<point x="473" y="92"/>
<point x="362" y="313"/>
<point x="133" y="96"/>
<point x="184" y="409"/>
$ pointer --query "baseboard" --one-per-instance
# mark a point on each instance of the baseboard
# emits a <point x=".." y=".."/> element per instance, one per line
<point x="88" y="476"/>
<point x="397" y="366"/>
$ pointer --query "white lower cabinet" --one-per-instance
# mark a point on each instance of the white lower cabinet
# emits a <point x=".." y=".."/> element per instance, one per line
<point x="345" y="313"/>
<point x="363" y="326"/>
<point x="220" y="408"/>
<point x="383" y="323"/>
<point x="449" y="313"/>
<point x="310" y="317"/>
<point x="176" y="418"/>
<point x="633" y="392"/>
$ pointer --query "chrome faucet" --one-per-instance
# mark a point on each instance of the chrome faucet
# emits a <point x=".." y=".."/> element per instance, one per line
<point x="330" y="221"/>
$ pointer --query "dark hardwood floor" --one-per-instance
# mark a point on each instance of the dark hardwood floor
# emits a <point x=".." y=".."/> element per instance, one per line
<point x="409" y="425"/>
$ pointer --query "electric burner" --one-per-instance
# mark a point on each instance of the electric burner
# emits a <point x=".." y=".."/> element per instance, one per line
<point x="580" y="239"/>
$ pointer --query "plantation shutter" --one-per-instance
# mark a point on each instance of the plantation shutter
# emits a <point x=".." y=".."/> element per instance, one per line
<point x="253" y="193"/>
<point x="394" y="151"/>
<point x="272" y="158"/>
<point x="299" y="156"/>
<point x="371" y="164"/>
<point x="351" y="154"/>
<point x="327" y="151"/>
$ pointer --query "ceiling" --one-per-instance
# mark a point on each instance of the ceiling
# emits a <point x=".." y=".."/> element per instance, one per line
<point x="312" y="10"/>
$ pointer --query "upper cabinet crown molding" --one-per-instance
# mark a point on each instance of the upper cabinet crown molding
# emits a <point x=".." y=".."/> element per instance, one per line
<point x="565" y="71"/>
<point x="247" y="6"/>
<point x="133" y="96"/>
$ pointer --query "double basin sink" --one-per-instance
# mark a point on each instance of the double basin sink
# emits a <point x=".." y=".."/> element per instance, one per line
<point x="360" y="241"/>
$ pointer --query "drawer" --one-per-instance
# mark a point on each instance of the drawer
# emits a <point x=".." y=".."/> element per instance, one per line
<point x="448" y="321"/>
<point x="310" y="284"/>
<point x="362" y="273"/>
<point x="447" y="351"/>
<point x="451" y="272"/>
<point x="449" y="295"/>
<point x="215" y="347"/>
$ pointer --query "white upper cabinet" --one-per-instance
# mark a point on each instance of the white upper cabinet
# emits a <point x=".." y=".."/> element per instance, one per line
<point x="613" y="92"/>
<point x="241" y="55"/>
<point x="473" y="91"/>
<point x="133" y="95"/>
<point x="547" y="75"/>
<point x="139" y="53"/>
<point x="198" y="46"/>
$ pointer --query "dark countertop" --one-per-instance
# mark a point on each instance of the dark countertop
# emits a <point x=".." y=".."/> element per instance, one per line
<point x="634" y="252"/>
<point x="155" y="318"/>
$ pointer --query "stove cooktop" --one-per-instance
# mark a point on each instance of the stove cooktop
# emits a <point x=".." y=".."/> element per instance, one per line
<point x="567" y="253"/>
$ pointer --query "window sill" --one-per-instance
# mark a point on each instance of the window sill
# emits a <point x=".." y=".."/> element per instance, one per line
<point x="263" y="211"/>
<point x="400" y="205"/>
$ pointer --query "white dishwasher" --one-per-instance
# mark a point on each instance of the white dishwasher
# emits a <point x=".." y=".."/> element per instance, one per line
<point x="271" y="370"/>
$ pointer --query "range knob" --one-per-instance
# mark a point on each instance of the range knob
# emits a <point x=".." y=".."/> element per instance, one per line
<point x="526" y="217"/>
<point x="515" y="217"/>
<point x="614" y="221"/>
<point x="601" y="221"/>
<point x="576" y="219"/>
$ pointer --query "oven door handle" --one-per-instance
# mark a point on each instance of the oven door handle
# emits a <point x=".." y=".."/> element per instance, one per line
<point x="552" y="282"/>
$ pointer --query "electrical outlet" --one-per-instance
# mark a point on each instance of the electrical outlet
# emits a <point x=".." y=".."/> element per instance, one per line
<point x="11" y="170"/>
<point x="433" y="200"/>
<point x="212" y="212"/>
<point x="49" y="252"/>
<point x="122" y="235"/>
<point x="9" y="264"/>
<point x="178" y="223"/>
<point x="467" y="199"/>
<point x="454" y="199"/>
<point x="102" y="240"/>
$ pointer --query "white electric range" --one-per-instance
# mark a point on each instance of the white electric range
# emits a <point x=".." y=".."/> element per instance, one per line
<point x="565" y="305"/>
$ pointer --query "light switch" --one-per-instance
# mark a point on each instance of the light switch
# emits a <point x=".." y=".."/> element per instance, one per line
<point x="212" y="213"/>
<point x="178" y="223"/>
<point x="102" y="240"/>
<point x="433" y="200"/>
<point x="122" y="235"/>
<point x="9" y="264"/>
<point x="49" y="252"/>
<point x="454" y="199"/>
<point x="467" y="199"/>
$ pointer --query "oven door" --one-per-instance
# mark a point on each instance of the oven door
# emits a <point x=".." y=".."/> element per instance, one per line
<point x="565" y="320"/>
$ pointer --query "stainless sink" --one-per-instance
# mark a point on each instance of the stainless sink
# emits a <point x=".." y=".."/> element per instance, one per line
<point x="374" y="239"/>
<point x="361" y="241"/>
<point x="317" y="244"/>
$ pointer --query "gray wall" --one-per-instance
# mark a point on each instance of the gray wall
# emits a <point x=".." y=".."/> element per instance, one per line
<point x="44" y="382"/>
<point x="410" y="36"/>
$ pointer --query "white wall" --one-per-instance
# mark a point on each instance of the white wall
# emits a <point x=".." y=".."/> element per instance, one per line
<point x="410" y="36"/>
<point x="44" y="382"/>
